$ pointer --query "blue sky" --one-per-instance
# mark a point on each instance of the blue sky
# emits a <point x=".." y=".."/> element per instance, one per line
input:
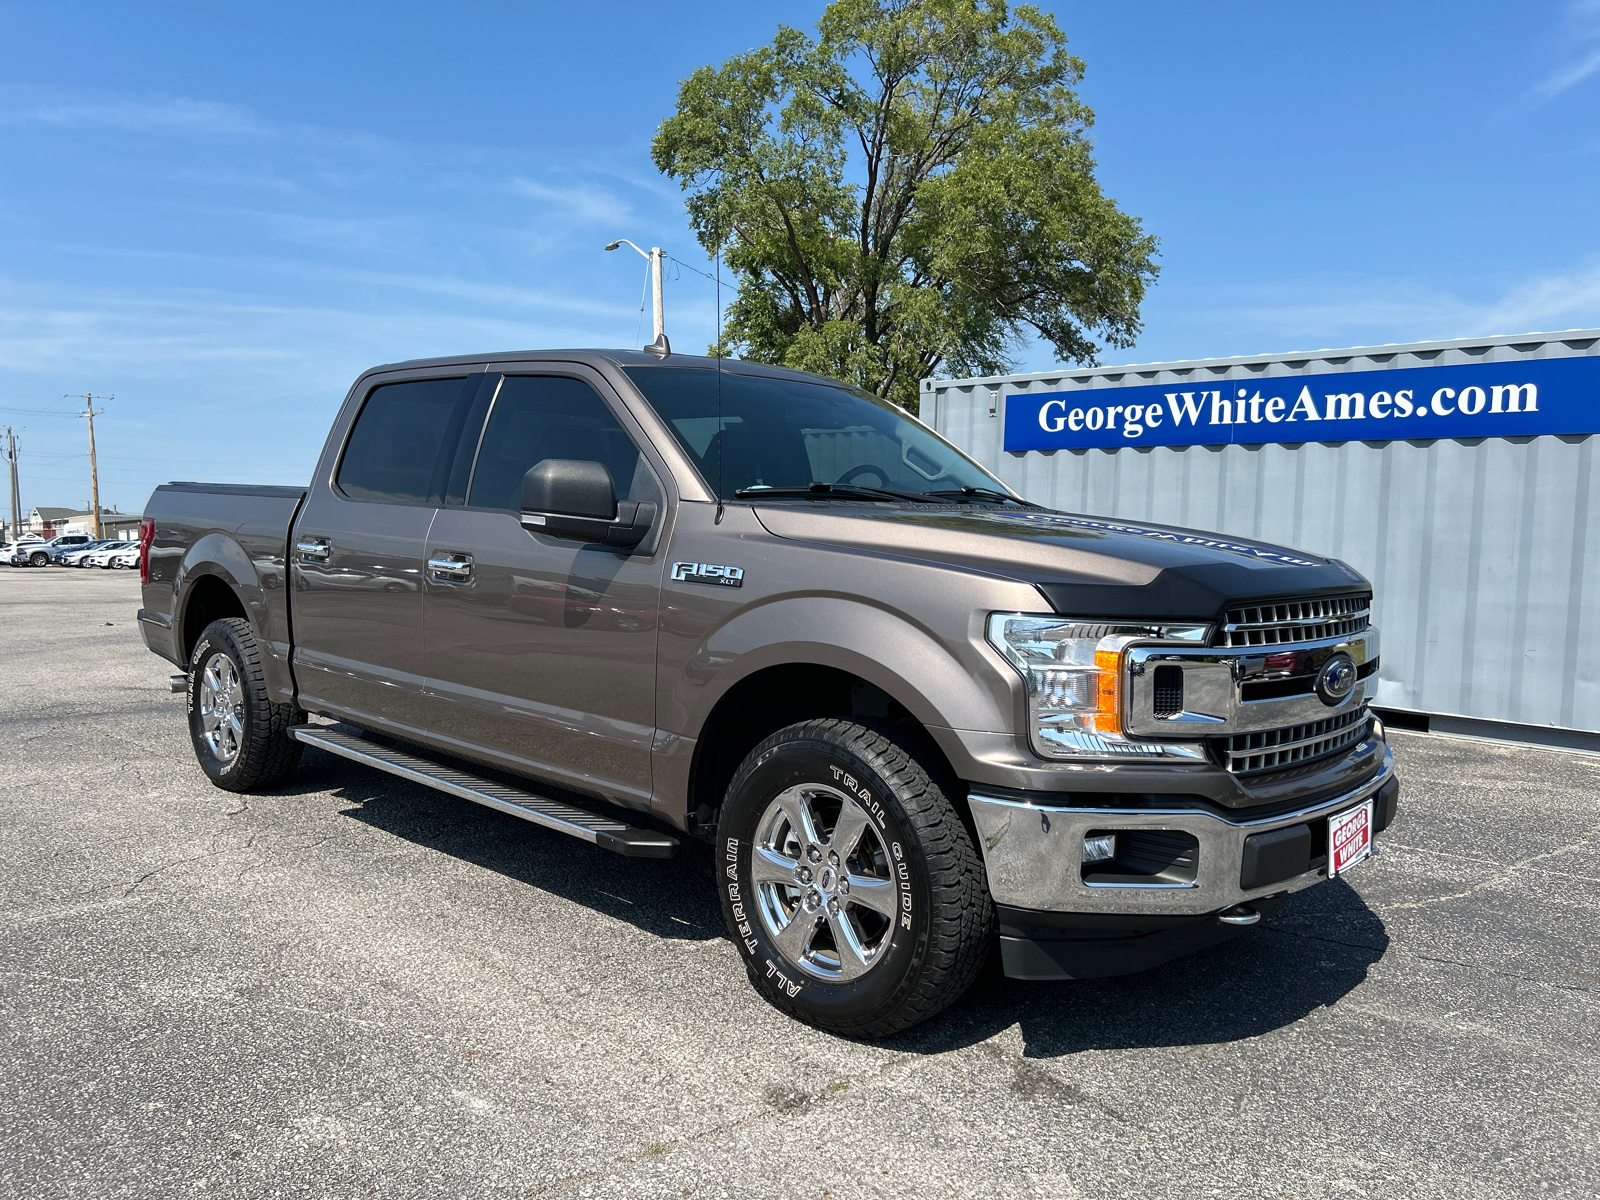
<point x="222" y="213"/>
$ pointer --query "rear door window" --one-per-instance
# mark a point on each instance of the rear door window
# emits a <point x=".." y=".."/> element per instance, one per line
<point x="398" y="451"/>
<point x="536" y="417"/>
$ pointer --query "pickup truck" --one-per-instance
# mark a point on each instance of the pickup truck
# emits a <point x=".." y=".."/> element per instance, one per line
<point x="644" y="599"/>
<point x="42" y="553"/>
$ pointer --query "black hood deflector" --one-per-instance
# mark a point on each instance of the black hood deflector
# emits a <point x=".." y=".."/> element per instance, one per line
<point x="1083" y="566"/>
<point x="1196" y="592"/>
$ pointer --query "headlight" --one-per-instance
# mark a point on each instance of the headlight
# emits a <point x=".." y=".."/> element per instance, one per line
<point x="1073" y="670"/>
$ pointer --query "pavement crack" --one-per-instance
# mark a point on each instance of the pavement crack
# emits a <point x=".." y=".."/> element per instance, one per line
<point x="778" y="1105"/>
<point x="1451" y="962"/>
<point x="1312" y="937"/>
<point x="1498" y="877"/>
<point x="177" y="862"/>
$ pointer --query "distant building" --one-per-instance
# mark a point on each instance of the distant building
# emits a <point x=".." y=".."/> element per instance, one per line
<point x="114" y="525"/>
<point x="47" y="522"/>
<point x="51" y="522"/>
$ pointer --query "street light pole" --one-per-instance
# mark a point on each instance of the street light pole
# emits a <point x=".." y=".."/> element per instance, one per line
<point x="94" y="467"/>
<point x="657" y="259"/>
<point x="658" y="308"/>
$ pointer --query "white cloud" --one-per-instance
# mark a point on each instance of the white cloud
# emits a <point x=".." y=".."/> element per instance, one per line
<point x="1582" y="22"/>
<point x="189" y="334"/>
<point x="1288" y="316"/>
<point x="1568" y="300"/>
<point x="172" y="115"/>
<point x="1568" y="76"/>
<point x="587" y="205"/>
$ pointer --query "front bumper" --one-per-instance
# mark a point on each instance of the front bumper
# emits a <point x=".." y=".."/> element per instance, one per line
<point x="1033" y="852"/>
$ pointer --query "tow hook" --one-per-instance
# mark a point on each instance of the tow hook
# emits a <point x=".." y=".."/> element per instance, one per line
<point x="1239" y="914"/>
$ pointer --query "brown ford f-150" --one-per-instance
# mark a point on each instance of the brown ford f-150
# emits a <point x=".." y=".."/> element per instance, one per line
<point x="638" y="599"/>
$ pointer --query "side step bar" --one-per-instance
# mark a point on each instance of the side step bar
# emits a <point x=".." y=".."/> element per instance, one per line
<point x="552" y="814"/>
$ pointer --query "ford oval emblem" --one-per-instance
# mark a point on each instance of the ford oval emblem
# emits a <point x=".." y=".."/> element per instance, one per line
<point x="1337" y="679"/>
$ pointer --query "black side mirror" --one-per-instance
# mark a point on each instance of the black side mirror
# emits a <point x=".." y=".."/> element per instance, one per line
<point x="577" y="500"/>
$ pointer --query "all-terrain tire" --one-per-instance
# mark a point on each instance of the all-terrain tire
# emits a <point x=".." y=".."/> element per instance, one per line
<point x="940" y="919"/>
<point x="263" y="752"/>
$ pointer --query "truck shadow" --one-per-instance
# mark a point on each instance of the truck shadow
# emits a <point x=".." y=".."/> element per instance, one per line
<point x="1309" y="955"/>
<point x="669" y="898"/>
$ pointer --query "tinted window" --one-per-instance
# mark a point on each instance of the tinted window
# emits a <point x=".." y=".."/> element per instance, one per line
<point x="536" y="417"/>
<point x="398" y="440"/>
<point x="774" y="432"/>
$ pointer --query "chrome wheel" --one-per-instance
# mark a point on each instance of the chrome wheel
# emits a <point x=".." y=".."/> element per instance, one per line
<point x="824" y="884"/>
<point x="221" y="707"/>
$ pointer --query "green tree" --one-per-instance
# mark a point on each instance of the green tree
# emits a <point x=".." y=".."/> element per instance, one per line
<point x="911" y="189"/>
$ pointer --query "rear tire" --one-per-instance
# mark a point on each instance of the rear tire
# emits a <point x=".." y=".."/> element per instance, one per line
<point x="241" y="738"/>
<point x="848" y="880"/>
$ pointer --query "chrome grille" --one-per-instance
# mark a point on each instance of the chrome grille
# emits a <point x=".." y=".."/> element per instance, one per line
<point x="1287" y="621"/>
<point x="1277" y="749"/>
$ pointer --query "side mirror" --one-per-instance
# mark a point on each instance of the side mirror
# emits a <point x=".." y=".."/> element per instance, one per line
<point x="577" y="500"/>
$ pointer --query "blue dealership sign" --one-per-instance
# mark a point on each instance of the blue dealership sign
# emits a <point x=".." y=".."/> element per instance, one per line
<point x="1501" y="399"/>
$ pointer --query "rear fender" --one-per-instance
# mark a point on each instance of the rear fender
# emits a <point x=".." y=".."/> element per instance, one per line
<point x="220" y="556"/>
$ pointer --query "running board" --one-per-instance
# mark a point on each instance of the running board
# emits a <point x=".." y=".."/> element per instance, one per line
<point x="552" y="814"/>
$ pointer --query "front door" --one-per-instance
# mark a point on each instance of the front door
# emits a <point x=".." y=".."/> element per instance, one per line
<point x="541" y="652"/>
<point x="357" y="555"/>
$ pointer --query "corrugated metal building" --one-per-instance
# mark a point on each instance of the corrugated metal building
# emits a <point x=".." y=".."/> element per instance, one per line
<point x="1480" y="544"/>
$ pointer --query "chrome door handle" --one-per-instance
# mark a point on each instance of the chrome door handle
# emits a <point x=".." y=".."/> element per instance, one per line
<point x="314" y="548"/>
<point x="450" y="568"/>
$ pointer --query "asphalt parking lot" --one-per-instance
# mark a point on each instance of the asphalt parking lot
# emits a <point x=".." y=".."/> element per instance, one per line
<point x="359" y="987"/>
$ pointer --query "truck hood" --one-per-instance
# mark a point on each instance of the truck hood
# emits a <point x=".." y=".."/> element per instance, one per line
<point x="1085" y="566"/>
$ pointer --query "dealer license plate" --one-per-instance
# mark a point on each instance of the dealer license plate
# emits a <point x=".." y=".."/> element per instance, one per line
<point x="1349" y="838"/>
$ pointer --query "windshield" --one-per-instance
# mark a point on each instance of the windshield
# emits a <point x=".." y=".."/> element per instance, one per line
<point x="787" y="433"/>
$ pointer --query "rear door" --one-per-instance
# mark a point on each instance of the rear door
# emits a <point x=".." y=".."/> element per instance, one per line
<point x="541" y="652"/>
<point x="357" y="553"/>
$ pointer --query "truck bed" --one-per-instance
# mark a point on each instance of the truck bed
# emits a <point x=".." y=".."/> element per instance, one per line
<point x="236" y="532"/>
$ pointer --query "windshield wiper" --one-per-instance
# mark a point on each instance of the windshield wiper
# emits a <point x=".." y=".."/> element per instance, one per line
<point x="843" y="491"/>
<point x="983" y="493"/>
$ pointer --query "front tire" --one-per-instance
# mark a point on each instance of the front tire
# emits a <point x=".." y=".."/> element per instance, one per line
<point x="38" y="559"/>
<point x="848" y="880"/>
<point x="241" y="738"/>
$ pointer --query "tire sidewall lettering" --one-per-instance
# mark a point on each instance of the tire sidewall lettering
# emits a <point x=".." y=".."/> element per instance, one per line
<point x="742" y="920"/>
<point x="820" y="764"/>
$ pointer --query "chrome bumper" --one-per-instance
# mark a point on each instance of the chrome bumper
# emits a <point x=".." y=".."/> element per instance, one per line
<point x="1034" y="853"/>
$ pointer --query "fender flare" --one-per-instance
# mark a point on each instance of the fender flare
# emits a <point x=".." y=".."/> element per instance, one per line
<point x="850" y="634"/>
<point x="217" y="555"/>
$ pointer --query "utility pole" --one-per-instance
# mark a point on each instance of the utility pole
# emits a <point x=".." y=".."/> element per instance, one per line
<point x="16" y="495"/>
<point x="657" y="257"/>
<point x="94" y="468"/>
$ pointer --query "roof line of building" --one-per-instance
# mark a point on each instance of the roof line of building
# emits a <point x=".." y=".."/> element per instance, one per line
<point x="1066" y="371"/>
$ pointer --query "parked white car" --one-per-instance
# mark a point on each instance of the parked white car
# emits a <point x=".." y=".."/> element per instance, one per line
<point x="104" y="556"/>
<point x="80" y="556"/>
<point x="125" y="556"/>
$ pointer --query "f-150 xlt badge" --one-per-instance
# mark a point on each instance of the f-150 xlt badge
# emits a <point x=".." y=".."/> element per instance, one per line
<point x="688" y="572"/>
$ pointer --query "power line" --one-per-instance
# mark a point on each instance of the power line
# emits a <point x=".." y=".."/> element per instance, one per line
<point x="696" y="270"/>
<point x="644" y="294"/>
